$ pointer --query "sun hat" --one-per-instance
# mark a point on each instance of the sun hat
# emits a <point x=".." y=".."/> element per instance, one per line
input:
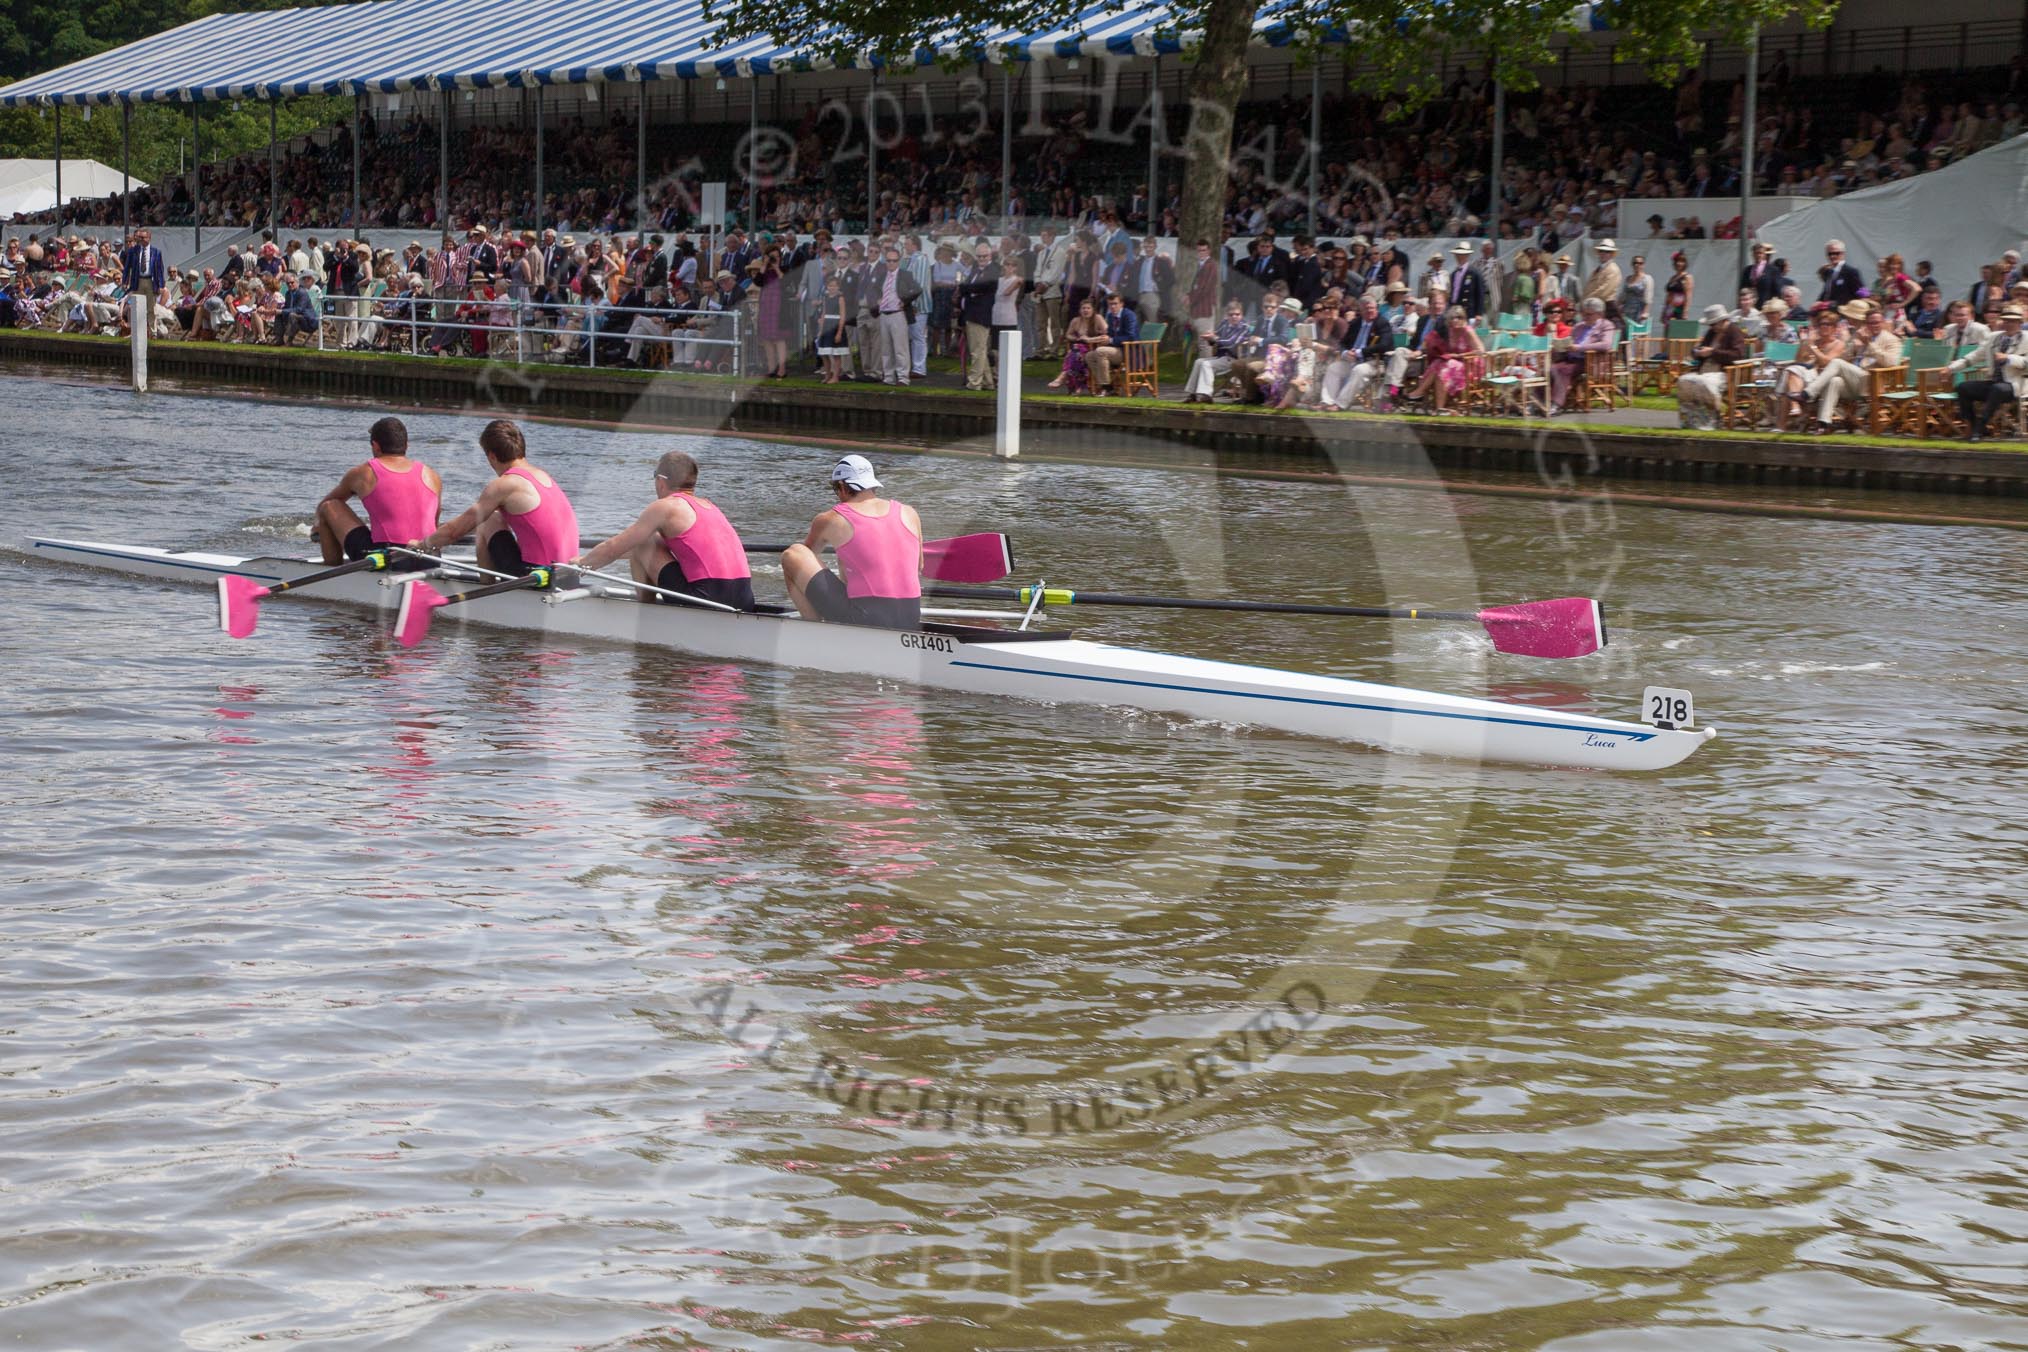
<point x="1713" y="313"/>
<point x="2013" y="312"/>
<point x="1855" y="309"/>
<point x="1606" y="246"/>
<point x="855" y="472"/>
<point x="1291" y="304"/>
<point x="1461" y="248"/>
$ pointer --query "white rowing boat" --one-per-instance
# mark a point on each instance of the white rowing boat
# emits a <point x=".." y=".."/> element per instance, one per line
<point x="1049" y="667"/>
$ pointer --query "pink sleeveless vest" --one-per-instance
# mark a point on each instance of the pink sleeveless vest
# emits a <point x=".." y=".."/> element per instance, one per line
<point x="549" y="533"/>
<point x="883" y="557"/>
<point x="402" y="506"/>
<point x="711" y="548"/>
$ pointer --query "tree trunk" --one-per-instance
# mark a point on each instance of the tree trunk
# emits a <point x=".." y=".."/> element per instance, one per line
<point x="1216" y="82"/>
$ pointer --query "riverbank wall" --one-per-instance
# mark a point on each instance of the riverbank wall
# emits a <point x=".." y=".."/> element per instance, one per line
<point x="1558" y="451"/>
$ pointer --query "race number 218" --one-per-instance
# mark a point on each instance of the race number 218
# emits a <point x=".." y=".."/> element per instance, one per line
<point x="1667" y="708"/>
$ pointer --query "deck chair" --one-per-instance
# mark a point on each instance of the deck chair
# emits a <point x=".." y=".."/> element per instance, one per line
<point x="1138" y="362"/>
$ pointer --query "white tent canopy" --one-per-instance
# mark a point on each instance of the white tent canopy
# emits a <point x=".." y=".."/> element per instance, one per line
<point x="30" y="185"/>
<point x="1960" y="218"/>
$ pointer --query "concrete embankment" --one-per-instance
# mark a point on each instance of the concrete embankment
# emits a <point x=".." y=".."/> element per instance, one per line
<point x="1560" y="452"/>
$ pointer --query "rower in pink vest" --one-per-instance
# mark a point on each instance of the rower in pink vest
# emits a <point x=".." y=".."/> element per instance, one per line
<point x="401" y="497"/>
<point x="681" y="543"/>
<point x="879" y="544"/>
<point x="523" y="519"/>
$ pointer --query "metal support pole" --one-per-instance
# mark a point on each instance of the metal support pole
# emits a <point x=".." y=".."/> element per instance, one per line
<point x="126" y="158"/>
<point x="752" y="149"/>
<point x="196" y="182"/>
<point x="641" y="161"/>
<point x="444" y="166"/>
<point x="140" y="317"/>
<point x="1158" y="134"/>
<point x="541" y="207"/>
<point x="59" y="170"/>
<point x="1006" y="145"/>
<point x="872" y="158"/>
<point x="1748" y="135"/>
<point x="1316" y="134"/>
<point x="1499" y="161"/>
<point x="274" y="173"/>
<point x="358" y="107"/>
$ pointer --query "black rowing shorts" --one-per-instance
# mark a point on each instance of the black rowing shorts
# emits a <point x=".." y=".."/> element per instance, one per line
<point x="359" y="543"/>
<point x="827" y="594"/>
<point x="736" y="592"/>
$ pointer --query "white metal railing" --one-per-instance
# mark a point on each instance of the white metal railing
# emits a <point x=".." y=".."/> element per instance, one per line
<point x="533" y="327"/>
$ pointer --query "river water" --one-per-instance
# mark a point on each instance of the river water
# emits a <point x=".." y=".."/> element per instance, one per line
<point x="520" y="994"/>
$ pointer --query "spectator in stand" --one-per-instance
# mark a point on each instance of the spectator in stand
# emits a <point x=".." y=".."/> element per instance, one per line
<point x="1305" y="271"/>
<point x="834" y="337"/>
<point x="1762" y="275"/>
<point x="1923" y="316"/>
<point x="1216" y="353"/>
<point x="1605" y="281"/>
<point x="1746" y="315"/>
<point x="1637" y="294"/>
<point x="1563" y="284"/>
<point x="1700" y="391"/>
<point x="1086" y="331"/>
<point x="1449" y="351"/>
<point x="1463" y="286"/>
<point x="1775" y="326"/>
<point x="1363" y="360"/>
<point x="1894" y="289"/>
<point x="975" y="303"/>
<point x="299" y="313"/>
<point x="1154" y="275"/>
<point x="2002" y="363"/>
<point x="1841" y="281"/>
<point x="1960" y="328"/>
<point x="1594" y="333"/>
<point x="1876" y="346"/>
<point x="1052" y="256"/>
<point x="1123" y="326"/>
<point x="1678" y="291"/>
<point x="1522" y="290"/>
<point x="1825" y="341"/>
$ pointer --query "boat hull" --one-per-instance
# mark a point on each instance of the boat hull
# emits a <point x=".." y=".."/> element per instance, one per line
<point x="1050" y="670"/>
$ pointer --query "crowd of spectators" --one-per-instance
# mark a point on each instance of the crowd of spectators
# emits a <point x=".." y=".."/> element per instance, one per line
<point x="1322" y="324"/>
<point x="1571" y="154"/>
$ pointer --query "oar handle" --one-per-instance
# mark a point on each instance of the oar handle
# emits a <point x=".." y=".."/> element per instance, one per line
<point x="1060" y="596"/>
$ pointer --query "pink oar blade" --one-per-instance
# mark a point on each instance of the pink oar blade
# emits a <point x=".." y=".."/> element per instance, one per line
<point x="968" y="558"/>
<point x="1572" y="626"/>
<point x="239" y="604"/>
<point x="412" y="622"/>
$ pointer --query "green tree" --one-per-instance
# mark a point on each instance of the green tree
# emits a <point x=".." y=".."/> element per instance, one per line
<point x="40" y="35"/>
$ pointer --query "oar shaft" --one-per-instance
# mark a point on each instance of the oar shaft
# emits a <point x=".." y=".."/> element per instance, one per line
<point x="375" y="560"/>
<point x="538" y="578"/>
<point x="1064" y="596"/>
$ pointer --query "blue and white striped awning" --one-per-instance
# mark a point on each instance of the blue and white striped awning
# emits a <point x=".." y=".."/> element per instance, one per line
<point x="397" y="45"/>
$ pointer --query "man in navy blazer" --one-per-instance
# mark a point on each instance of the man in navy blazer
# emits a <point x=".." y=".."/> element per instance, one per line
<point x="142" y="270"/>
<point x="1842" y="281"/>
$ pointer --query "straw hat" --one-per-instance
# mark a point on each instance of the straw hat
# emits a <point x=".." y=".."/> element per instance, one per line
<point x="2013" y="312"/>
<point x="1292" y="305"/>
<point x="1714" y="313"/>
<point x="1563" y="259"/>
<point x="1605" y="246"/>
<point x="1462" y="249"/>
<point x="1855" y="309"/>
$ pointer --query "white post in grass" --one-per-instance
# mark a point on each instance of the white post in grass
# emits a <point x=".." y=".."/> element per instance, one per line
<point x="137" y="306"/>
<point x="1007" y="425"/>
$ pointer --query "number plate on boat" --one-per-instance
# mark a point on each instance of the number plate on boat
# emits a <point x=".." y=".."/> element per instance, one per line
<point x="1667" y="708"/>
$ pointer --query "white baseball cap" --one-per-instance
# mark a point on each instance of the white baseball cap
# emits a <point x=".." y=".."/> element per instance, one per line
<point x="855" y="472"/>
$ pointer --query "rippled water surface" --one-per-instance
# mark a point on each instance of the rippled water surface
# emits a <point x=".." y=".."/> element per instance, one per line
<point x="515" y="993"/>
